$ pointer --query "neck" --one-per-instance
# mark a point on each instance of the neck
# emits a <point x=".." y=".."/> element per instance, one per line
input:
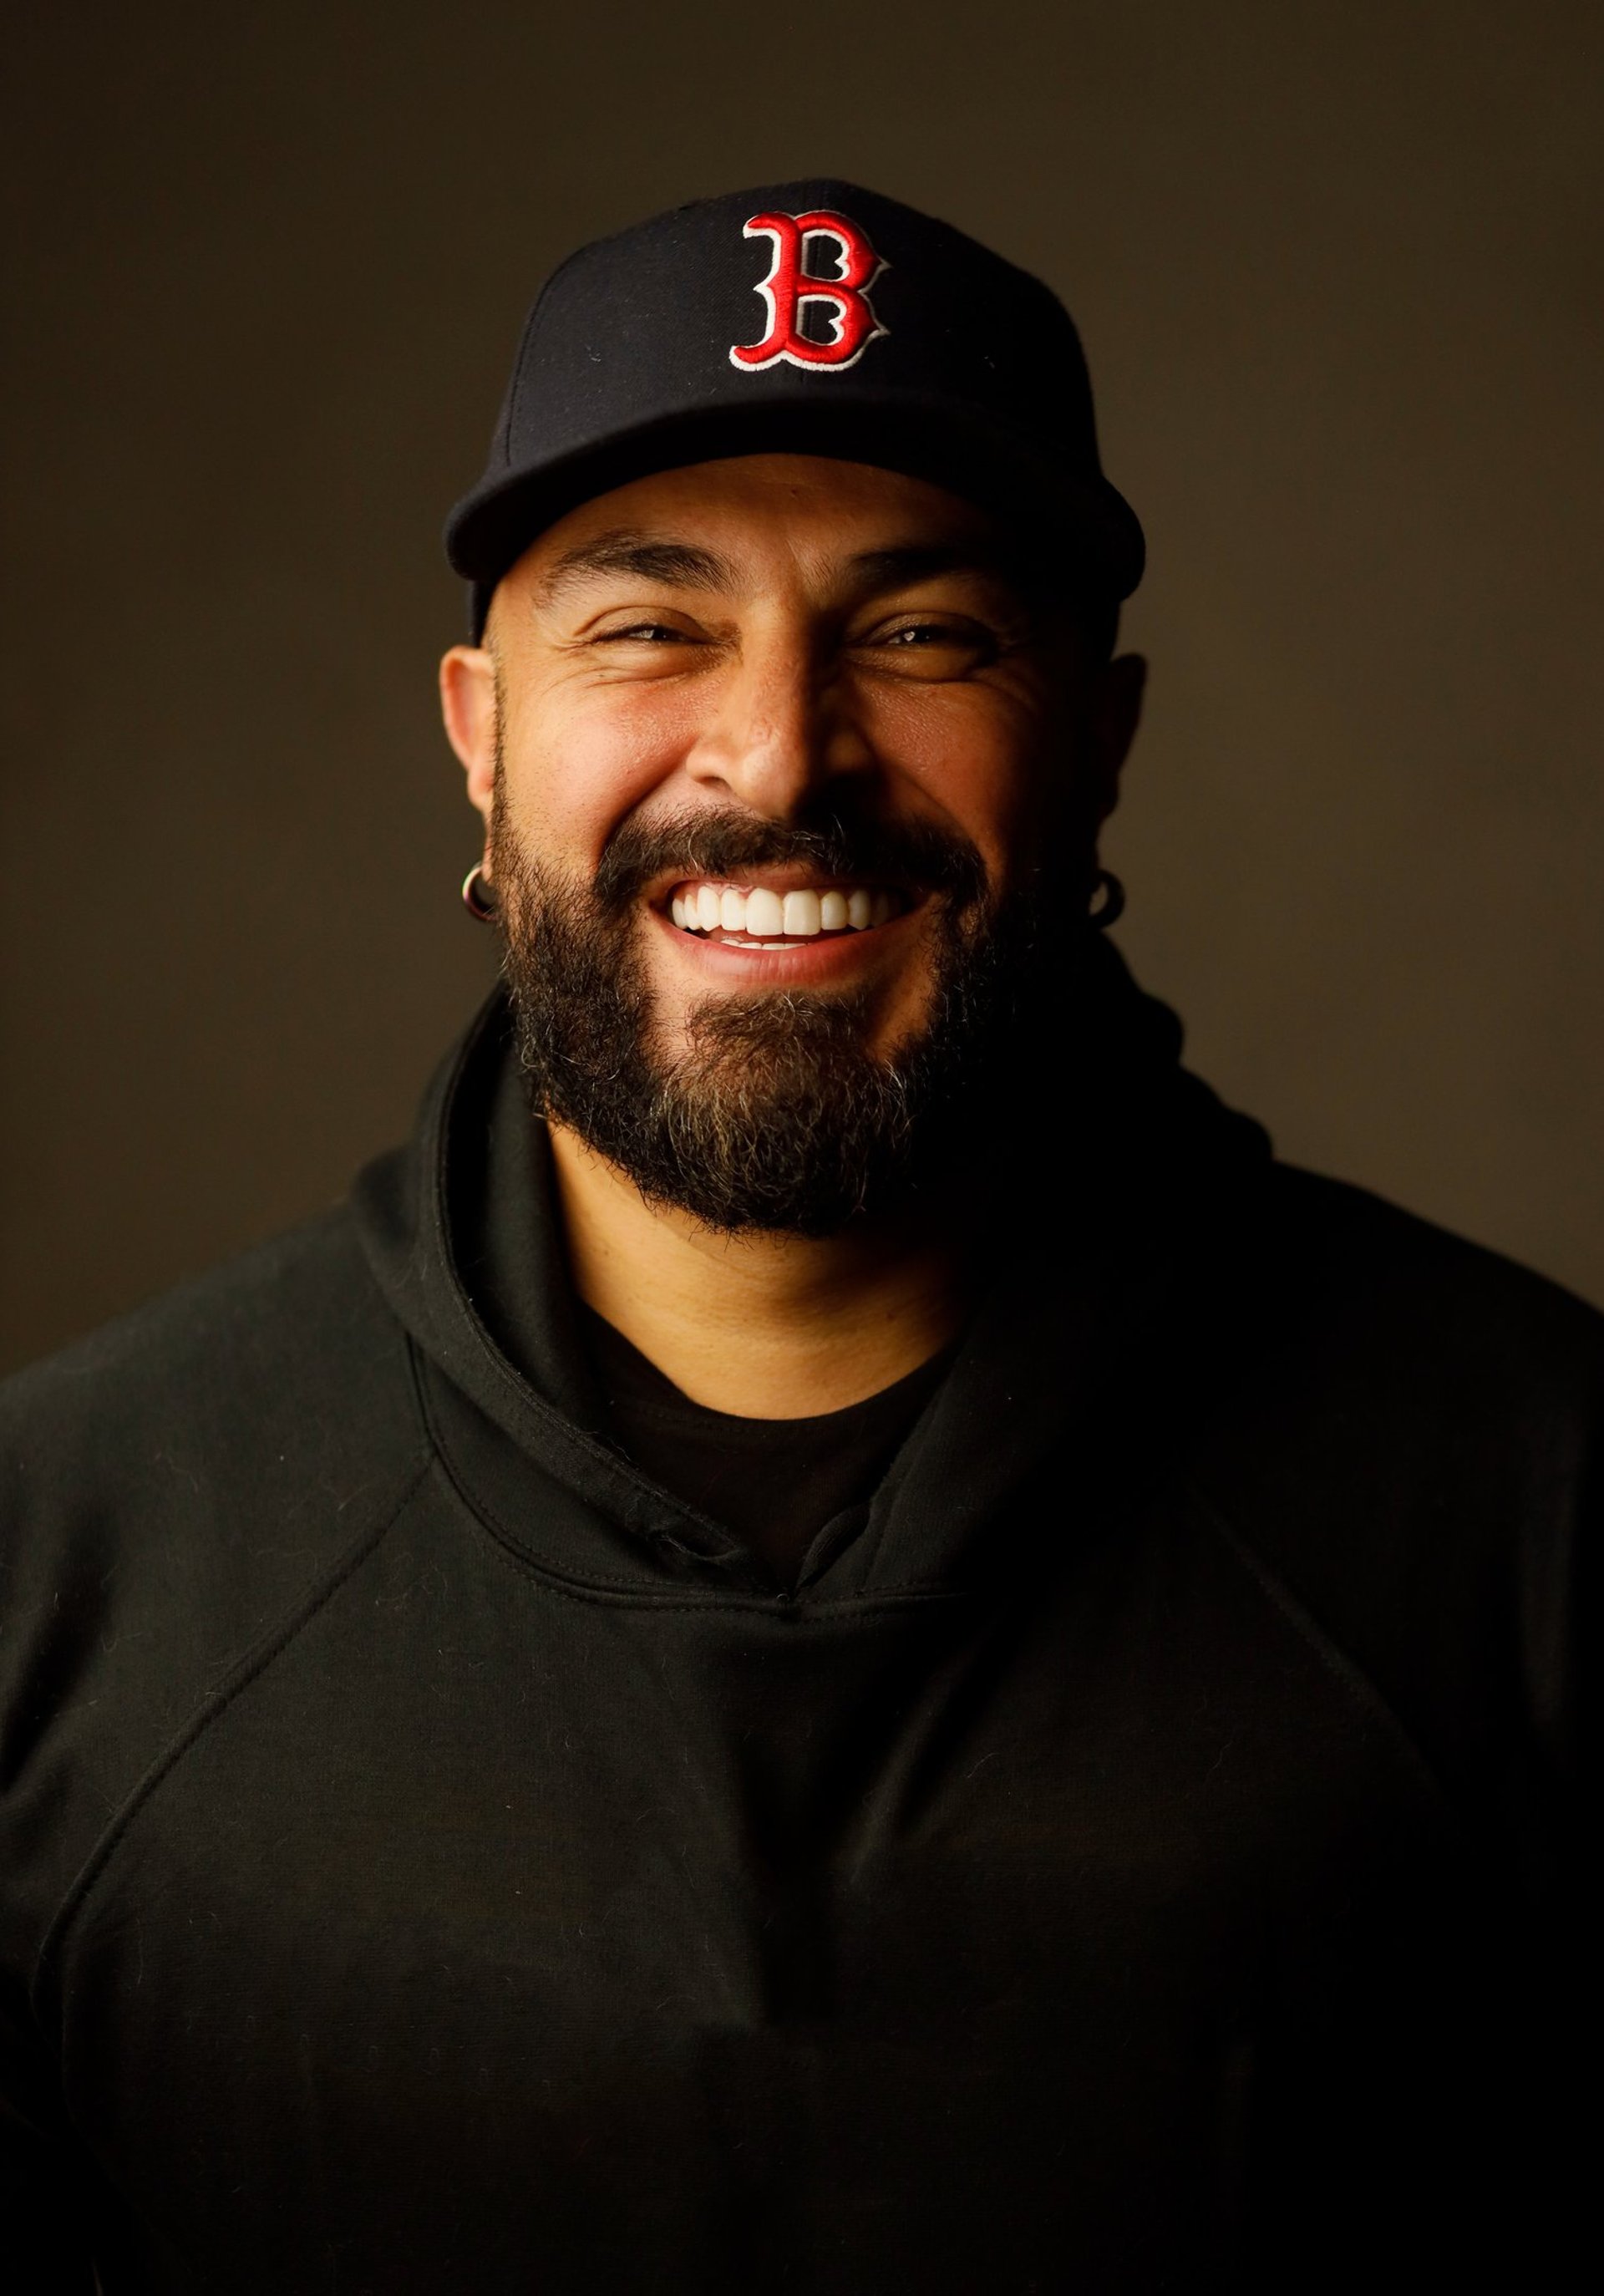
<point x="763" y="1325"/>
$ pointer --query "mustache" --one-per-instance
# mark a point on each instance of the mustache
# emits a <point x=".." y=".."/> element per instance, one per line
<point x="917" y="856"/>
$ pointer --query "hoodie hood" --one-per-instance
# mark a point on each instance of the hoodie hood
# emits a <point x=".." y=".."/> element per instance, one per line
<point x="1126" y="1197"/>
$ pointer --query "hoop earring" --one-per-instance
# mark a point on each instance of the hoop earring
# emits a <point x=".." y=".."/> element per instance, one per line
<point x="1113" y="901"/>
<point x="476" y="885"/>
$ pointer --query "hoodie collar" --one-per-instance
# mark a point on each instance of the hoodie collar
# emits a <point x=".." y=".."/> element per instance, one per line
<point x="1131" y="1194"/>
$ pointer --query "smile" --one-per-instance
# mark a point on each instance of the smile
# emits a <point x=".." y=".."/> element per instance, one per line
<point x="760" y="916"/>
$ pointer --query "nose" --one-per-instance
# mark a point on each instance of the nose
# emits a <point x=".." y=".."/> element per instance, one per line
<point x="780" y="728"/>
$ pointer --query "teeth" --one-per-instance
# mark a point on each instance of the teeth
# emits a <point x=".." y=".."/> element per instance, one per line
<point x="759" y="914"/>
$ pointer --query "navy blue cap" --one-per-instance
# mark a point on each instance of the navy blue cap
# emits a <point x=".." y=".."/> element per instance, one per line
<point x="812" y="317"/>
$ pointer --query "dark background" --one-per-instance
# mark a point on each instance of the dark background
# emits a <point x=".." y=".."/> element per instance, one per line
<point x="1337" y="270"/>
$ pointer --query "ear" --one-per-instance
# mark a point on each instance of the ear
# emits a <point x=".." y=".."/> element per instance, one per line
<point x="468" y="705"/>
<point x="1116" y="714"/>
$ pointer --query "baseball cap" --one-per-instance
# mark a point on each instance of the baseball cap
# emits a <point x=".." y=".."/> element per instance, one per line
<point x="809" y="317"/>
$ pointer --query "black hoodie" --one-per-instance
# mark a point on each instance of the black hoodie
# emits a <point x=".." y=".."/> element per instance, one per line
<point x="1135" y="1856"/>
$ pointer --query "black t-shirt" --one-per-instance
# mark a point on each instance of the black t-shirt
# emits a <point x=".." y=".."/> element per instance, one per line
<point x="776" y="1483"/>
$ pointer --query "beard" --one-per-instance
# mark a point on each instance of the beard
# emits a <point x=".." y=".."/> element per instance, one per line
<point x="773" y="1114"/>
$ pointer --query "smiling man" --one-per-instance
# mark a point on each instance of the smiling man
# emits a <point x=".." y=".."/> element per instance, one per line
<point x="792" y="769"/>
<point x="835" y="1640"/>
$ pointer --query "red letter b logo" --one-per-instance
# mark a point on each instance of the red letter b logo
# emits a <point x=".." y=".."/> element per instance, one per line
<point x="790" y="287"/>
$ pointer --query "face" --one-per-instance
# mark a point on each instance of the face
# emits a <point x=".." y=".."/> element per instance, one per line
<point x="776" y="755"/>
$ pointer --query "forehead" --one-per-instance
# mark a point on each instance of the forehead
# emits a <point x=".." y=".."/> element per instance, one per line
<point x="751" y="507"/>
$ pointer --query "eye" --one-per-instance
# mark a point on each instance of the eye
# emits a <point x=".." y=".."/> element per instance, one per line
<point x="644" y="634"/>
<point x="924" y="648"/>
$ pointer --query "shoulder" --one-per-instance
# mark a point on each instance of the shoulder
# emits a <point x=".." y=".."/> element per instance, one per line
<point x="171" y="1487"/>
<point x="273" y="1356"/>
<point x="1414" y="1460"/>
<point x="1427" y="1307"/>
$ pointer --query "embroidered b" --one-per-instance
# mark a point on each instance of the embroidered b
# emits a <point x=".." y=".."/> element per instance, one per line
<point x="790" y="288"/>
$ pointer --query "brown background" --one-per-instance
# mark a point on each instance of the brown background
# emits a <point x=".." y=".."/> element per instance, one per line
<point x="1337" y="270"/>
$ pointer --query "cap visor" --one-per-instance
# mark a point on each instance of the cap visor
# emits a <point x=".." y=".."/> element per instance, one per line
<point x="1095" y="529"/>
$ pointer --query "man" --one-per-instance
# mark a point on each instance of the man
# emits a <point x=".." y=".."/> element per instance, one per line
<point x="834" y="1640"/>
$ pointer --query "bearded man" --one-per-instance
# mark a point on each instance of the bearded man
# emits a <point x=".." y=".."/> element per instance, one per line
<point x="835" y="1639"/>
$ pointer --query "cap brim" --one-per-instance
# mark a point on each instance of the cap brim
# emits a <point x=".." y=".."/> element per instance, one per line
<point x="1095" y="530"/>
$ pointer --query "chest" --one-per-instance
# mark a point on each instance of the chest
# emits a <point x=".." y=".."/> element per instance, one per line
<point x="607" y="1924"/>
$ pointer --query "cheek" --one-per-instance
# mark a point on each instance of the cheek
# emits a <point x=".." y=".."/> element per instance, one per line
<point x="981" y="762"/>
<point x="575" y="765"/>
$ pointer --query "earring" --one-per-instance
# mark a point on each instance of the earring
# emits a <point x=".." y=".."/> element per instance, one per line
<point x="1113" y="901"/>
<point x="475" y="887"/>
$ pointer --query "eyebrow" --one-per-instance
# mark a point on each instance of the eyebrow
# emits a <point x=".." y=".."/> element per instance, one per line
<point x="649" y="558"/>
<point x="906" y="563"/>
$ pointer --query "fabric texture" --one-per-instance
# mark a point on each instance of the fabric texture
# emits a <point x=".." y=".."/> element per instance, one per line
<point x="1138" y="1857"/>
<point x="778" y="1484"/>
